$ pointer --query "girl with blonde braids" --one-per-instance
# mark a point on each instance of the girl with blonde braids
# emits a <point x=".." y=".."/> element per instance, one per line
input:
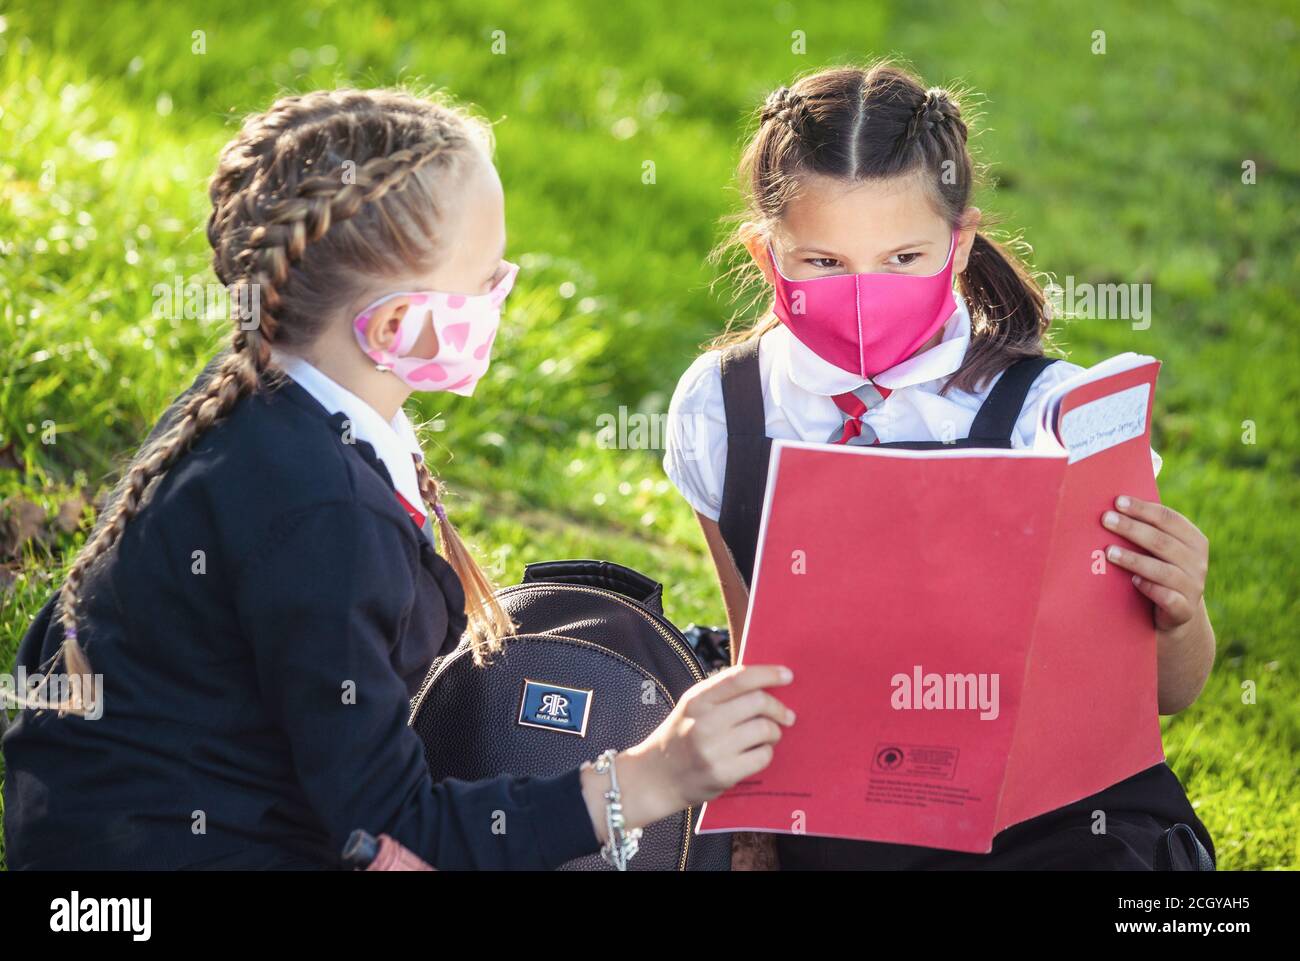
<point x="264" y="591"/>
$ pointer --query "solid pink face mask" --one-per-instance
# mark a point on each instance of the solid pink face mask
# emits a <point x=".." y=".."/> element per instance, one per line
<point x="865" y="323"/>
<point x="466" y="325"/>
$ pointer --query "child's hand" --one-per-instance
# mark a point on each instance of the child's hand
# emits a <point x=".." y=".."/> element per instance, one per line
<point x="721" y="731"/>
<point x="1173" y="576"/>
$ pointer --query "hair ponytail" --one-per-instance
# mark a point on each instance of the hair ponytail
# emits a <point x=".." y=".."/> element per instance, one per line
<point x="1007" y="313"/>
<point x="489" y="624"/>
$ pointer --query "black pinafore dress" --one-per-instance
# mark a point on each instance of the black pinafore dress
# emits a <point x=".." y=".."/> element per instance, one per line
<point x="1150" y="824"/>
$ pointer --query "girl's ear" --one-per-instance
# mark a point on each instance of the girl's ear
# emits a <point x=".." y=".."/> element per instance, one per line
<point x="970" y="221"/>
<point x="381" y="331"/>
<point x="756" y="243"/>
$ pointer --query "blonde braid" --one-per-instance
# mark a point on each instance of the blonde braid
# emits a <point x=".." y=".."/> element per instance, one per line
<point x="489" y="624"/>
<point x="236" y="376"/>
<point x="323" y="200"/>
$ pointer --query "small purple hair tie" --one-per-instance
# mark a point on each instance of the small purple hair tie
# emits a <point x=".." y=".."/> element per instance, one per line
<point x="438" y="509"/>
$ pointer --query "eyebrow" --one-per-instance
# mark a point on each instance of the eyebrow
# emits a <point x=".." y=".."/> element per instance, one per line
<point x="818" y="250"/>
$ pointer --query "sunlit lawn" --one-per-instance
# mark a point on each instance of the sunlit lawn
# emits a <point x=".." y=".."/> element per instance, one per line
<point x="1119" y="167"/>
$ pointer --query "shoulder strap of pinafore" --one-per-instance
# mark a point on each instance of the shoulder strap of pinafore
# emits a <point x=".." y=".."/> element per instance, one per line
<point x="997" y="416"/>
<point x="749" y="447"/>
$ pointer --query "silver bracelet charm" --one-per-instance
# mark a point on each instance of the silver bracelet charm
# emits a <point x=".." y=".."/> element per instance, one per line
<point x="622" y="844"/>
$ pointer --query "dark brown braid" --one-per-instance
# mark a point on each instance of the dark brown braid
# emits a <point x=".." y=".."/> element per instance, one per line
<point x="934" y="110"/>
<point x="312" y="202"/>
<point x="784" y="106"/>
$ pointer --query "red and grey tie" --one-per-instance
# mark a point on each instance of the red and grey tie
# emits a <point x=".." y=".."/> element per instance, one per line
<point x="853" y="405"/>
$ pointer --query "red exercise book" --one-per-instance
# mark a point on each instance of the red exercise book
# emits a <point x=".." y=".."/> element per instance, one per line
<point x="965" y="658"/>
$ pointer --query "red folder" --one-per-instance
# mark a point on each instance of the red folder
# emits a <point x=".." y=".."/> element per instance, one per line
<point x="965" y="658"/>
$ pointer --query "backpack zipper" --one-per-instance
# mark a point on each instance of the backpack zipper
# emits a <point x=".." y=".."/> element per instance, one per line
<point x="682" y="649"/>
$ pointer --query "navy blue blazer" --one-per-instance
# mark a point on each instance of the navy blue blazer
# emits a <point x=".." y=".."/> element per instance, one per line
<point x="255" y="694"/>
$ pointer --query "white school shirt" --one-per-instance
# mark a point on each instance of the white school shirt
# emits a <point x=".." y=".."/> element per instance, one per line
<point x="394" y="441"/>
<point x="797" y="389"/>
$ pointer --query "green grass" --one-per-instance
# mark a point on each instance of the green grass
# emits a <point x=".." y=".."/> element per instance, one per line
<point x="1124" y="167"/>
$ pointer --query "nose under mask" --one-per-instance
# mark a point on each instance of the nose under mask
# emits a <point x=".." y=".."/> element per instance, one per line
<point x="865" y="323"/>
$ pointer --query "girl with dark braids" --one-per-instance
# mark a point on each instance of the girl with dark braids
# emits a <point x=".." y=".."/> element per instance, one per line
<point x="853" y="174"/>
<point x="265" y="590"/>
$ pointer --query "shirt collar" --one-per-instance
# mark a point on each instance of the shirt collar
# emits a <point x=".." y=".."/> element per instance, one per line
<point x="393" y="441"/>
<point x="817" y="376"/>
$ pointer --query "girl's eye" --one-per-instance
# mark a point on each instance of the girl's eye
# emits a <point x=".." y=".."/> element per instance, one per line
<point x="903" y="260"/>
<point x="823" y="263"/>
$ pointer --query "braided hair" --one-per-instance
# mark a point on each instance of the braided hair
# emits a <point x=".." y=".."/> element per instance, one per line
<point x="867" y="123"/>
<point x="311" y="202"/>
<point x="785" y="106"/>
<point x="932" y="115"/>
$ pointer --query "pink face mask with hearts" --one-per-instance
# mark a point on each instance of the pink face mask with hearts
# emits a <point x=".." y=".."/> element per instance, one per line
<point x="865" y="323"/>
<point x="466" y="325"/>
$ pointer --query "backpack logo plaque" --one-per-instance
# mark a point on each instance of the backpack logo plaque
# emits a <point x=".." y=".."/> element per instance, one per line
<point x="553" y="707"/>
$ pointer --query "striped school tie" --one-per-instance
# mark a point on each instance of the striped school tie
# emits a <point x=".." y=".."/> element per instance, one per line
<point x="853" y="405"/>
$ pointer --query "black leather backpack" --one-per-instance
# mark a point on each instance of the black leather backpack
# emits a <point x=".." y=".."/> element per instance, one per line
<point x="594" y="665"/>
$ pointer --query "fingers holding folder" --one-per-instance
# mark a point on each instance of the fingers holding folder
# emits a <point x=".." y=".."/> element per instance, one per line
<point x="721" y="731"/>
